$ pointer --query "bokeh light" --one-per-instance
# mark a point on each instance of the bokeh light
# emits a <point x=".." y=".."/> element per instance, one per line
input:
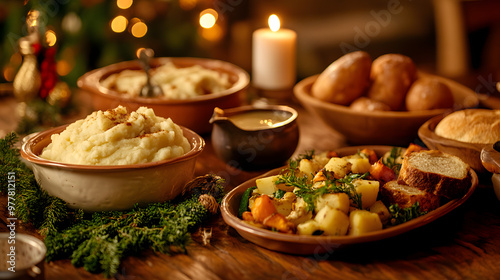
<point x="208" y="18"/>
<point x="139" y="29"/>
<point x="50" y="38"/>
<point x="71" y="23"/>
<point x="124" y="4"/>
<point x="119" y="24"/>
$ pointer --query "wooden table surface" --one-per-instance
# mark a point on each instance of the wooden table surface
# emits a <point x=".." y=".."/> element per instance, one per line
<point x="464" y="244"/>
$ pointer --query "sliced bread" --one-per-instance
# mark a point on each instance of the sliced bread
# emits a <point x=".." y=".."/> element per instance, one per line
<point x="405" y="196"/>
<point x="436" y="172"/>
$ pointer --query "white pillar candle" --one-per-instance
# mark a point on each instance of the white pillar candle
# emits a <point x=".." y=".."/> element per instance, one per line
<point x="273" y="57"/>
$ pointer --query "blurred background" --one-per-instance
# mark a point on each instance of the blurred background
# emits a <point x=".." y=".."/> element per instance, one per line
<point x="457" y="39"/>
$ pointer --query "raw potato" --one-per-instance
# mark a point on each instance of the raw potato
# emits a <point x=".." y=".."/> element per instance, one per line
<point x="428" y="94"/>
<point x="308" y="228"/>
<point x="362" y="221"/>
<point x="391" y="76"/>
<point x="266" y="185"/>
<point x="381" y="210"/>
<point x="344" y="80"/>
<point x="339" y="166"/>
<point x="332" y="221"/>
<point x="365" y="104"/>
<point x="338" y="201"/>
<point x="368" y="190"/>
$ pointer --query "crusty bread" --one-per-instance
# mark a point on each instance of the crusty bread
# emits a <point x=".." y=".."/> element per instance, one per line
<point x="436" y="172"/>
<point x="480" y="126"/>
<point x="405" y="196"/>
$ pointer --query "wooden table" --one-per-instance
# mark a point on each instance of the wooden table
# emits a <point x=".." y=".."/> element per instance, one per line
<point x="464" y="244"/>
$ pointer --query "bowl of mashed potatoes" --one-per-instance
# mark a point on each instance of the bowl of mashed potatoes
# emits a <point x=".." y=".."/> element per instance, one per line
<point x="114" y="159"/>
<point x="192" y="88"/>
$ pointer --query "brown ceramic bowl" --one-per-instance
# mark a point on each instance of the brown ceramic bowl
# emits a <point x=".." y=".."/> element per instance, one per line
<point x="192" y="113"/>
<point x="252" y="148"/>
<point x="111" y="187"/>
<point x="468" y="152"/>
<point x="387" y="127"/>
<point x="304" y="245"/>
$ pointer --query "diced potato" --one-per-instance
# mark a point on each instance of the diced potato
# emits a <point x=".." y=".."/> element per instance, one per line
<point x="307" y="168"/>
<point x="321" y="159"/>
<point x="338" y="201"/>
<point x="379" y="208"/>
<point x="332" y="221"/>
<point x="359" y="165"/>
<point x="362" y="221"/>
<point x="307" y="228"/>
<point x="339" y="166"/>
<point x="368" y="190"/>
<point x="266" y="185"/>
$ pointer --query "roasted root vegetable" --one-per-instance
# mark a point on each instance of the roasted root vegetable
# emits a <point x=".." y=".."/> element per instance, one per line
<point x="325" y="194"/>
<point x="264" y="212"/>
<point x="381" y="172"/>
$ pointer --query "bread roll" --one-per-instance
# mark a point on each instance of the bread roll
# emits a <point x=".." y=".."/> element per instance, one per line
<point x="391" y="76"/>
<point x="365" y="104"/>
<point x="436" y="172"/>
<point x="344" y="80"/>
<point x="479" y="126"/>
<point x="428" y="94"/>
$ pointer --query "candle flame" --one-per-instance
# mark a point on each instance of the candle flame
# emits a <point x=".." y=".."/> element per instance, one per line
<point x="274" y="22"/>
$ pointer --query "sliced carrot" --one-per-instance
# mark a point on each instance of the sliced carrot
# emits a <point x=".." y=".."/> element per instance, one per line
<point x="381" y="172"/>
<point x="264" y="212"/>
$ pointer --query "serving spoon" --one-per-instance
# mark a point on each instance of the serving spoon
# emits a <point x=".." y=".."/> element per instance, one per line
<point x="149" y="90"/>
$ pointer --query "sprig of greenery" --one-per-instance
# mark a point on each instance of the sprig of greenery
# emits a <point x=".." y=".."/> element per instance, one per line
<point x="332" y="185"/>
<point x="32" y="204"/>
<point x="99" y="241"/>
<point x="391" y="160"/>
<point x="401" y="215"/>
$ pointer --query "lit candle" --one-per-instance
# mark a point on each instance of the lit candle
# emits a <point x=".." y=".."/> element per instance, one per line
<point x="273" y="57"/>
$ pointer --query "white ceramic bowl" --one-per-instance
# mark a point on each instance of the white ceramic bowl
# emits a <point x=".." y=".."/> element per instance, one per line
<point x="111" y="187"/>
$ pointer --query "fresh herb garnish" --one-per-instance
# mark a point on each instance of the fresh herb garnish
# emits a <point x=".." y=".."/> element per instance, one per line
<point x="401" y="215"/>
<point x="332" y="185"/>
<point x="279" y="193"/>
<point x="392" y="160"/>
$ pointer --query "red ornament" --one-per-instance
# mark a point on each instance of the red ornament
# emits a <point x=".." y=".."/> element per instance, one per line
<point x="48" y="72"/>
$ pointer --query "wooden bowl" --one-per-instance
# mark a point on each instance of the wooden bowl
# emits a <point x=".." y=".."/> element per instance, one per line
<point x="468" y="152"/>
<point x="193" y="113"/>
<point x="382" y="127"/>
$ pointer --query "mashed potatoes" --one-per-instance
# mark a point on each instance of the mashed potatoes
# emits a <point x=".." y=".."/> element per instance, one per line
<point x="114" y="137"/>
<point x="176" y="83"/>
